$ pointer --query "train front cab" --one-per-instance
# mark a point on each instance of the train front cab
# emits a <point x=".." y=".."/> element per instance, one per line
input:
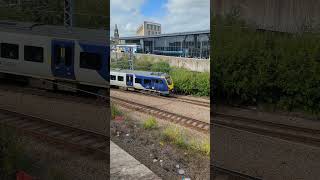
<point x="155" y="84"/>
<point x="169" y="83"/>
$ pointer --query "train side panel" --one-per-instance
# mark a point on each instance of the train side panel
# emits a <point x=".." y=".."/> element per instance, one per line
<point x="118" y="79"/>
<point x="14" y="60"/>
<point x="151" y="83"/>
<point x="92" y="64"/>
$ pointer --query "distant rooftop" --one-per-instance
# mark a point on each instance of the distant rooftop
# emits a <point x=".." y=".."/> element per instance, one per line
<point x="166" y="35"/>
<point x="151" y="22"/>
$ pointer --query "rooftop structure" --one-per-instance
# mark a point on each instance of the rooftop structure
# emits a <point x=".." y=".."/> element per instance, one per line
<point x="149" y="29"/>
<point x="194" y="44"/>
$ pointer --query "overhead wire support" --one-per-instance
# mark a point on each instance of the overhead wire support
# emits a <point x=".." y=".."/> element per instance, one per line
<point x="130" y="60"/>
<point x="68" y="13"/>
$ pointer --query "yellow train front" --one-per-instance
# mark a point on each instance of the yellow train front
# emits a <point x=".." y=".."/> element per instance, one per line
<point x="142" y="80"/>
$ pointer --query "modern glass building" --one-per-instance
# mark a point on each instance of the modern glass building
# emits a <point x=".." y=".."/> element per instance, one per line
<point x="194" y="44"/>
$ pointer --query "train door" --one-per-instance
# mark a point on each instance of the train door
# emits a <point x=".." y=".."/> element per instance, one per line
<point x="157" y="84"/>
<point x="63" y="59"/>
<point x="153" y="84"/>
<point x="129" y="80"/>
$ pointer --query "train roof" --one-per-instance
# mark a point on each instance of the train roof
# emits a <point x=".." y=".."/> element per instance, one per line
<point x="76" y="33"/>
<point x="141" y="73"/>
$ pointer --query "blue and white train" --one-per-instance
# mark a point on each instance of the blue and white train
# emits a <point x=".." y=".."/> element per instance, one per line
<point x="73" y="57"/>
<point x="157" y="82"/>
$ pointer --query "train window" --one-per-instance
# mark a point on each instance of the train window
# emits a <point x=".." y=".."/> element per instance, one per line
<point x="112" y="77"/>
<point x="10" y="51"/>
<point x="120" y="78"/>
<point x="137" y="80"/>
<point x="90" y="60"/>
<point x="59" y="54"/>
<point x="32" y="53"/>
<point x="146" y="81"/>
<point x="158" y="81"/>
<point x="68" y="56"/>
<point x="63" y="54"/>
<point x="169" y="80"/>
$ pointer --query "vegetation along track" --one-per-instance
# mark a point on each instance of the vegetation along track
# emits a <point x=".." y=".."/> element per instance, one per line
<point x="66" y="136"/>
<point x="172" y="117"/>
<point x="172" y="97"/>
<point x="281" y="131"/>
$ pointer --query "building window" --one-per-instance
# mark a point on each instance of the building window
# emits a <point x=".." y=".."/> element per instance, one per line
<point x="90" y="61"/>
<point x="10" y="51"/>
<point x="32" y="53"/>
<point x="148" y="32"/>
<point x="112" y="77"/>
<point x="137" y="80"/>
<point x="120" y="78"/>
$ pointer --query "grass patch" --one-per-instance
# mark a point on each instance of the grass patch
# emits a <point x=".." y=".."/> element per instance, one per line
<point x="115" y="111"/>
<point x="176" y="136"/>
<point x="200" y="146"/>
<point x="12" y="156"/>
<point x="150" y="123"/>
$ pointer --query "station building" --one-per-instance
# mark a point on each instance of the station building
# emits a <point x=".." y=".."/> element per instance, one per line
<point x="195" y="44"/>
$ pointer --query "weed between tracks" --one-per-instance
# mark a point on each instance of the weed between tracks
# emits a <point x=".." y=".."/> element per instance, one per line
<point x="150" y="123"/>
<point x="151" y="142"/>
<point x="115" y="111"/>
<point x="176" y="136"/>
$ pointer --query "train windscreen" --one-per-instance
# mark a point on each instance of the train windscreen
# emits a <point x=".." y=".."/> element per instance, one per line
<point x="168" y="80"/>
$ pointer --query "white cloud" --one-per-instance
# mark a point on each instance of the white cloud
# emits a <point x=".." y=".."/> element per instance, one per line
<point x="186" y="15"/>
<point x="181" y="15"/>
<point x="126" y="14"/>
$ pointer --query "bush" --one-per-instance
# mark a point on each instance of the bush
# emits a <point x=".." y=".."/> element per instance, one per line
<point x="191" y="83"/>
<point x="253" y="67"/>
<point x="142" y="64"/>
<point x="161" y="67"/>
<point x="150" y="123"/>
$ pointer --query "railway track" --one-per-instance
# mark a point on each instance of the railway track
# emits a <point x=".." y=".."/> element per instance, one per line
<point x="171" y="117"/>
<point x="75" y="139"/>
<point x="173" y="98"/>
<point x="225" y="174"/>
<point x="281" y="131"/>
<point x="102" y="101"/>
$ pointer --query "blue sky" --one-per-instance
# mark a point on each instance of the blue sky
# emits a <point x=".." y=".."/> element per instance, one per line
<point x="173" y="15"/>
<point x="155" y="8"/>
